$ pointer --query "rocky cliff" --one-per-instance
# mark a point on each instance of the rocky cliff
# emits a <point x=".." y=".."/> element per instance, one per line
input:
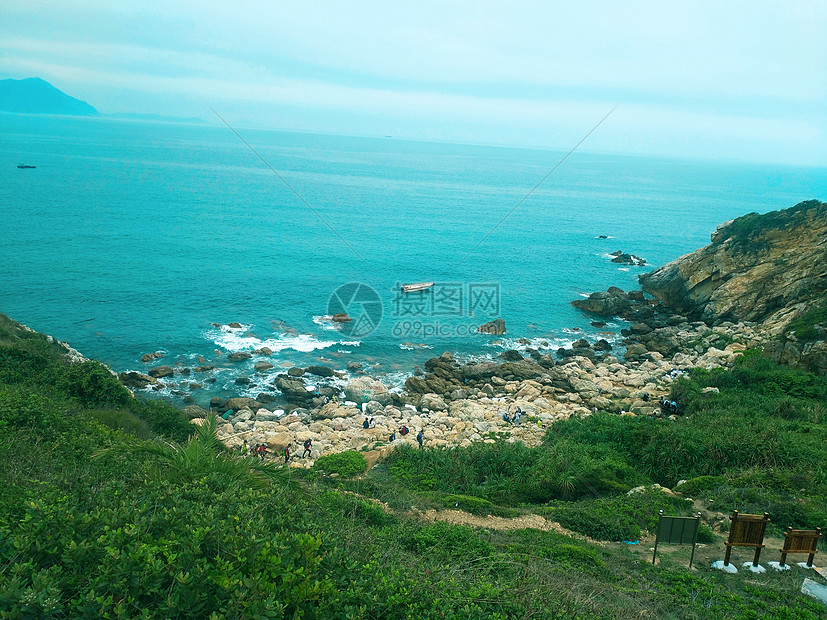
<point x="768" y="269"/>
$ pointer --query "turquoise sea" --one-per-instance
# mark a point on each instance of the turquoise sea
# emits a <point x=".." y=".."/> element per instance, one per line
<point x="131" y="237"/>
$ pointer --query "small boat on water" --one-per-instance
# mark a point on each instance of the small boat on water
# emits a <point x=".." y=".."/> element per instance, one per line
<point x="25" y="166"/>
<point x="418" y="286"/>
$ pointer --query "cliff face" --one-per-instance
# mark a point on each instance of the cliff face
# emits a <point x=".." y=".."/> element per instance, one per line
<point x="769" y="269"/>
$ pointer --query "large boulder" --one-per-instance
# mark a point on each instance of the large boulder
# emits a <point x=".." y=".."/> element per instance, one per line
<point x="520" y="371"/>
<point x="468" y="410"/>
<point x="433" y="402"/>
<point x="635" y="351"/>
<point x="483" y="370"/>
<point x="604" y="303"/>
<point x="511" y="356"/>
<point x="277" y="442"/>
<point x="334" y="410"/>
<point x="242" y="402"/>
<point x="366" y="389"/>
<point x="293" y="389"/>
<point x="136" y="380"/>
<point x="195" y="412"/>
<point x="161" y="371"/>
<point x="238" y="356"/>
<point x="319" y="371"/>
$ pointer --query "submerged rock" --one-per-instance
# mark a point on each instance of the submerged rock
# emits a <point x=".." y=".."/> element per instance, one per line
<point x="161" y="371"/>
<point x="495" y="327"/>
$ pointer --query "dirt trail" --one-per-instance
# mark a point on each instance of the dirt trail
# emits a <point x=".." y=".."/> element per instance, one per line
<point x="528" y="521"/>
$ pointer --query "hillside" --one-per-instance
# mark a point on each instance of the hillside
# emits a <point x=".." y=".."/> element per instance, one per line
<point x="36" y="96"/>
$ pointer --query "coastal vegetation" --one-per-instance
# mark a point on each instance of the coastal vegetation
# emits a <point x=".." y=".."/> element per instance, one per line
<point x="118" y="508"/>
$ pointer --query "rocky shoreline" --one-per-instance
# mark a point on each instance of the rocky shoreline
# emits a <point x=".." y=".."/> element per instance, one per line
<point x="761" y="282"/>
<point x="456" y="404"/>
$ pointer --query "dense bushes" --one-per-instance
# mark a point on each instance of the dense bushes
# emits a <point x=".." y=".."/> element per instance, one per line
<point x="31" y="363"/>
<point x="617" y="518"/>
<point x="347" y="463"/>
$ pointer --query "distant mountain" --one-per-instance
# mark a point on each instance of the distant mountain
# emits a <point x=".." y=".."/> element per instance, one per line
<point x="36" y="96"/>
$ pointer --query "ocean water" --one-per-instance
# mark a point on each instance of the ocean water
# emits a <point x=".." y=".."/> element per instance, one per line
<point x="132" y="237"/>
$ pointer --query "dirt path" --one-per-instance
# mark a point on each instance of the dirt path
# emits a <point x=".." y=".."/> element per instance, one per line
<point x="528" y="521"/>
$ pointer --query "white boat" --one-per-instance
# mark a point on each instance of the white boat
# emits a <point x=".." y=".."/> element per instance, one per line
<point x="418" y="286"/>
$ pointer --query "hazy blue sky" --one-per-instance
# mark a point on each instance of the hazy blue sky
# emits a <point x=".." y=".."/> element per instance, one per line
<point x="745" y="80"/>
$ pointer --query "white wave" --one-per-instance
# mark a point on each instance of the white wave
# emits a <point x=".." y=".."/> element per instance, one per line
<point x="623" y="269"/>
<point x="350" y="343"/>
<point x="234" y="340"/>
<point x="410" y="346"/>
<point x="326" y="322"/>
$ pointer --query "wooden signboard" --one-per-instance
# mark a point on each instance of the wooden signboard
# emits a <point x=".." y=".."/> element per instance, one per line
<point x="800" y="541"/>
<point x="747" y="531"/>
<point x="677" y="531"/>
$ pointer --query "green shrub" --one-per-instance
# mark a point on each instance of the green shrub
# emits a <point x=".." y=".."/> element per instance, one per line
<point x="706" y="535"/>
<point x="698" y="486"/>
<point x="162" y="418"/>
<point x="348" y="463"/>
<point x="122" y="420"/>
<point x="810" y="325"/>
<point x="618" y="518"/>
<point x="445" y="540"/>
<point x="91" y="383"/>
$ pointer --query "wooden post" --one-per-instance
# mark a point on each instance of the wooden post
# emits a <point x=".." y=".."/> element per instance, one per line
<point x="655" y="552"/>
<point x="692" y="556"/>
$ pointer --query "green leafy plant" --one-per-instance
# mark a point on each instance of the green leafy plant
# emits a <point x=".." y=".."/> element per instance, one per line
<point x="348" y="463"/>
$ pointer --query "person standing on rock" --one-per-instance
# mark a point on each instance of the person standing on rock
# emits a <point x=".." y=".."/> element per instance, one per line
<point x="419" y="438"/>
<point x="286" y="451"/>
<point x="307" y="448"/>
<point x="392" y="438"/>
<point x="404" y="430"/>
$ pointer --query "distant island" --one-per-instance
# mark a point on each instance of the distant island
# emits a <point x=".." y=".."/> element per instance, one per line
<point x="36" y="96"/>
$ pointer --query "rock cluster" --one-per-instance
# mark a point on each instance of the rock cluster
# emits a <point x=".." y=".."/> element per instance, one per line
<point x="459" y="404"/>
<point x="627" y="259"/>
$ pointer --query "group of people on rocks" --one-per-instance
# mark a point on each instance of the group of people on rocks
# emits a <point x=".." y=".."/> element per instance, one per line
<point x="258" y="451"/>
<point x="308" y="450"/>
<point x="668" y="407"/>
<point x="404" y="430"/>
<point x="515" y="419"/>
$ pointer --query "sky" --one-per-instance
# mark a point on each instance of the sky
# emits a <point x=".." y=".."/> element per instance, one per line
<point x="712" y="80"/>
